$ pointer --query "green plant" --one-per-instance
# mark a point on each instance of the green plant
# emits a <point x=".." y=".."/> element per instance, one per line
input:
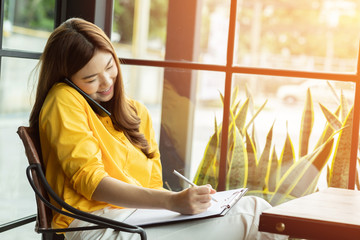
<point x="278" y="179"/>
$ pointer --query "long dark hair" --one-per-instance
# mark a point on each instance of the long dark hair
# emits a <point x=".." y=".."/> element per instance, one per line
<point x="68" y="49"/>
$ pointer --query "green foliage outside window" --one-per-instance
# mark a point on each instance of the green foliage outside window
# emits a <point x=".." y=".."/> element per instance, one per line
<point x="124" y="19"/>
<point x="35" y="14"/>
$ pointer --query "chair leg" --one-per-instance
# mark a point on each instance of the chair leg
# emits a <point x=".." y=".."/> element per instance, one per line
<point x="52" y="236"/>
<point x="59" y="237"/>
<point x="46" y="236"/>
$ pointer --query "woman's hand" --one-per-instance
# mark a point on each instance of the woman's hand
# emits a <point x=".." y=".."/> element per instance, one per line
<point x="192" y="200"/>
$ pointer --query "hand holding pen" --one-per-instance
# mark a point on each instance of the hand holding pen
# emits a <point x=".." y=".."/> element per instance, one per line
<point x="189" y="182"/>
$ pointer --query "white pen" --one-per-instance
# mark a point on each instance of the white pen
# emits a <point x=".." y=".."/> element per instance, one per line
<point x="189" y="182"/>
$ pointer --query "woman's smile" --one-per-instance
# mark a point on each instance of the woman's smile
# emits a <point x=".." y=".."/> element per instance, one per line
<point x="107" y="91"/>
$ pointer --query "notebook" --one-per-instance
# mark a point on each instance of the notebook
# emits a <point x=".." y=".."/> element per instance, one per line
<point x="226" y="200"/>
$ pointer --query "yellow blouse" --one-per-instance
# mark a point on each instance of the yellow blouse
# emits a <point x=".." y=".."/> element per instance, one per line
<point x="80" y="148"/>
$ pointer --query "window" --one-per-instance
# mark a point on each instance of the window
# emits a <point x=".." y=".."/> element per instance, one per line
<point x="225" y="52"/>
<point x="312" y="36"/>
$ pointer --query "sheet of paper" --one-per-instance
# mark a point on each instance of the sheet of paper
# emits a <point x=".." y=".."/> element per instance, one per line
<point x="226" y="199"/>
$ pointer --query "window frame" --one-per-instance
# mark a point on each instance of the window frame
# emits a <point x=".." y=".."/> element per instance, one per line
<point x="230" y="69"/>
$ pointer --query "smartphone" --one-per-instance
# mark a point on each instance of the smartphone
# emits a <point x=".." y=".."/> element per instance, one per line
<point x="94" y="105"/>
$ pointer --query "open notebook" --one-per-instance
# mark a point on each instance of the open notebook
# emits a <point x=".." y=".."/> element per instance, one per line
<point x="226" y="200"/>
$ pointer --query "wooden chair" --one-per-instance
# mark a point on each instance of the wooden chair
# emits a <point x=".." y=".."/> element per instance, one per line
<point x="43" y="192"/>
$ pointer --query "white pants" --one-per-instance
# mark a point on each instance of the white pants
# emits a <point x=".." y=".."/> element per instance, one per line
<point x="241" y="222"/>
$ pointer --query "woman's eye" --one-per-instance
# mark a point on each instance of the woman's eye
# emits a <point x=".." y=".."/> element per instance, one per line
<point x="91" y="81"/>
<point x="109" y="67"/>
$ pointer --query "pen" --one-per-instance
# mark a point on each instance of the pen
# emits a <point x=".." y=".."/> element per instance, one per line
<point x="189" y="182"/>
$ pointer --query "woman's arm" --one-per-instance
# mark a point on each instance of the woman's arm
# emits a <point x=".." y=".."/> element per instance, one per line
<point x="189" y="201"/>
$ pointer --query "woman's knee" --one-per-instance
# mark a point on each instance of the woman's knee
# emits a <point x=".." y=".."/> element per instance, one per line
<point x="251" y="205"/>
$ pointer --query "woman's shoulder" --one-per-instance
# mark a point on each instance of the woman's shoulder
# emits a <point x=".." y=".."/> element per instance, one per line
<point x="62" y="102"/>
<point x="63" y="97"/>
<point x="64" y="93"/>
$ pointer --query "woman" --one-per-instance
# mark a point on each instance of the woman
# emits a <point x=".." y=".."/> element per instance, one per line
<point x="108" y="165"/>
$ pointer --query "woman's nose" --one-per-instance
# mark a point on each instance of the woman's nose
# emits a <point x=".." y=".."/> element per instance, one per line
<point x="106" y="80"/>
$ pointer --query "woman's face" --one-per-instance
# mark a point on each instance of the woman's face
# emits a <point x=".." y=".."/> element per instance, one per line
<point x="97" y="78"/>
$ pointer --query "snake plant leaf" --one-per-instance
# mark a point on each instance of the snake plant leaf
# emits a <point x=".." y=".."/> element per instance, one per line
<point x="307" y="122"/>
<point x="331" y="118"/>
<point x="287" y="181"/>
<point x="234" y="95"/>
<point x="214" y="180"/>
<point x="313" y="186"/>
<point x="252" y="120"/>
<point x="263" y="165"/>
<point x="240" y="118"/>
<point x="328" y="130"/>
<point x="311" y="175"/>
<point x="238" y="166"/>
<point x="272" y="179"/>
<point x="231" y="139"/>
<point x="253" y="137"/>
<point x="328" y="170"/>
<point x="251" y="100"/>
<point x="302" y="174"/>
<point x="212" y="173"/>
<point x="252" y="162"/>
<point x="232" y="153"/>
<point x="344" y="106"/>
<point x="337" y="99"/>
<point x="209" y="158"/>
<point x="221" y="97"/>
<point x="339" y="173"/>
<point x="235" y="107"/>
<point x="255" y="115"/>
<point x="287" y="157"/>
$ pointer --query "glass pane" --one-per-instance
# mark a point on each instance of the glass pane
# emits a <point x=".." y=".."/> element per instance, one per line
<point x="17" y="198"/>
<point x="139" y="30"/>
<point x="296" y="135"/>
<point x="307" y="35"/>
<point x="190" y="104"/>
<point x="16" y="85"/>
<point x="157" y="29"/>
<point x="208" y="112"/>
<point x="145" y="84"/>
<point x="28" y="22"/>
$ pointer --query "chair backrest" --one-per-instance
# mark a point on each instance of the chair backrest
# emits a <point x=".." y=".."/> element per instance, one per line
<point x="31" y="141"/>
